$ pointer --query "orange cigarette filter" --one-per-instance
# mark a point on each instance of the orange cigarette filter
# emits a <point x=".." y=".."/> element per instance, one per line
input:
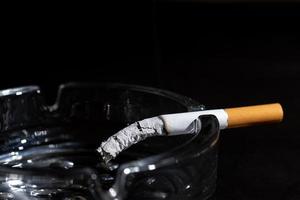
<point x="254" y="115"/>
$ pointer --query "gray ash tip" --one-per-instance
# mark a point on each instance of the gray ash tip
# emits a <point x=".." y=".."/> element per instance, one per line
<point x="106" y="156"/>
<point x="130" y="135"/>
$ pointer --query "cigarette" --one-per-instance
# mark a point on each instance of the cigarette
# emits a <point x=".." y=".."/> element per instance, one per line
<point x="187" y="123"/>
<point x="228" y="118"/>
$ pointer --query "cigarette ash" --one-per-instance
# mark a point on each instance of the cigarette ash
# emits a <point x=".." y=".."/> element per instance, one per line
<point x="130" y="135"/>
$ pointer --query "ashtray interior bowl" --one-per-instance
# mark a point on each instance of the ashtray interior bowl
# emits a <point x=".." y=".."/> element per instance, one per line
<point x="50" y="151"/>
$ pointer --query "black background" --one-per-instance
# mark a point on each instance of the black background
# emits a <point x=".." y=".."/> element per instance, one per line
<point x="221" y="54"/>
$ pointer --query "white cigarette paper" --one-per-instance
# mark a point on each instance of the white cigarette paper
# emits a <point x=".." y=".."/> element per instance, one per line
<point x="170" y="124"/>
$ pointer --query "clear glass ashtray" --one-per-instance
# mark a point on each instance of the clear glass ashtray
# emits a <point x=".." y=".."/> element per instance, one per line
<point x="49" y="152"/>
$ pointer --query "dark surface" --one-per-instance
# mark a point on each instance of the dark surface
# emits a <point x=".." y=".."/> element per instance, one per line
<point x="220" y="54"/>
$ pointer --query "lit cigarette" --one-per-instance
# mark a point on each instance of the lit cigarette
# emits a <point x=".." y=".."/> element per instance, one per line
<point x="187" y="123"/>
<point x="228" y="118"/>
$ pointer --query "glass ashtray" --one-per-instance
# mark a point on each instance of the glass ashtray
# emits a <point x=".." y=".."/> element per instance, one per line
<point x="49" y="152"/>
